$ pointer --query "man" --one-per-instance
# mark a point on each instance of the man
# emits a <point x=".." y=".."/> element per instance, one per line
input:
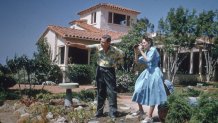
<point x="107" y="58"/>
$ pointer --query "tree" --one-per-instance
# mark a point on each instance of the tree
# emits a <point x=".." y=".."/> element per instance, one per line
<point x="6" y="80"/>
<point x="45" y="69"/>
<point x="177" y="32"/>
<point x="42" y="60"/>
<point x="133" y="37"/>
<point x="207" y="26"/>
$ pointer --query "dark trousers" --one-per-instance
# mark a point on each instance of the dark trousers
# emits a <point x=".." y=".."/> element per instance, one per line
<point x="106" y="87"/>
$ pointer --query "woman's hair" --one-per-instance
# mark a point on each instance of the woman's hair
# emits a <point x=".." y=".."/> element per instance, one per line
<point x="149" y="40"/>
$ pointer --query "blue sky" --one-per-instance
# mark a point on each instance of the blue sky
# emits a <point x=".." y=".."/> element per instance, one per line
<point x="22" y="22"/>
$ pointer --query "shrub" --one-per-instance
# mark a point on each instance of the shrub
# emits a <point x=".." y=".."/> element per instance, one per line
<point x="88" y="95"/>
<point x="206" y="112"/>
<point x="82" y="74"/>
<point x="6" y="82"/>
<point x="55" y="74"/>
<point x="125" y="82"/>
<point x="2" y="97"/>
<point x="193" y="92"/>
<point x="179" y="109"/>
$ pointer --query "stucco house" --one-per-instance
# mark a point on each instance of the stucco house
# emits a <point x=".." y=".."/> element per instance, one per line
<point x="69" y="44"/>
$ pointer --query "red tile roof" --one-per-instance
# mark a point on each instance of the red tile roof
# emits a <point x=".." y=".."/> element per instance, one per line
<point x="110" y="6"/>
<point x="90" y="32"/>
<point x="83" y="24"/>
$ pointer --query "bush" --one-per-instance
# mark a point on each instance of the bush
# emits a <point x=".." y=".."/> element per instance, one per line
<point x="2" y="97"/>
<point x="184" y="79"/>
<point x="55" y="74"/>
<point x="125" y="82"/>
<point x="82" y="74"/>
<point x="7" y="82"/>
<point x="206" y="112"/>
<point x="87" y="95"/>
<point x="179" y="109"/>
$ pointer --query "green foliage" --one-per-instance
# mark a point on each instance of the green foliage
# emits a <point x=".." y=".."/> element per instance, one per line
<point x="48" y="96"/>
<point x="179" y="109"/>
<point x="42" y="60"/>
<point x="133" y="37"/>
<point x="206" y="112"/>
<point x="125" y="82"/>
<point x="87" y="95"/>
<point x="55" y="74"/>
<point x="192" y="92"/>
<point x="82" y="74"/>
<point x="2" y="96"/>
<point x="81" y="116"/>
<point x="6" y="80"/>
<point x="179" y="28"/>
<point x="84" y="95"/>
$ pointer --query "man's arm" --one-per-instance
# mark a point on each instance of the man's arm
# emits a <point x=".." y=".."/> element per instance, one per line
<point x="92" y="46"/>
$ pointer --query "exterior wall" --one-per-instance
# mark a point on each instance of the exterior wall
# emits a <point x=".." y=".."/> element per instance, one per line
<point x="88" y="17"/>
<point x="51" y="39"/>
<point x="102" y="20"/>
<point x="115" y="27"/>
<point x="54" y="43"/>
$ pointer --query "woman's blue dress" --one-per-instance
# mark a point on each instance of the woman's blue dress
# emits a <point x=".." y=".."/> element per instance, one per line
<point x="149" y="88"/>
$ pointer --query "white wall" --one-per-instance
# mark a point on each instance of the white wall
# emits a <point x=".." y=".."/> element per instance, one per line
<point x="50" y="36"/>
<point x="102" y="20"/>
<point x="54" y="42"/>
<point x="115" y="27"/>
<point x="87" y="17"/>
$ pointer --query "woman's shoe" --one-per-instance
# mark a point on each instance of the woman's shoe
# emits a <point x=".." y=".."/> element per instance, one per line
<point x="138" y="113"/>
<point x="147" y="120"/>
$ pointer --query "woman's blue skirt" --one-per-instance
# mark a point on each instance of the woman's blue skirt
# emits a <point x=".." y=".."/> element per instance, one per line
<point x="149" y="88"/>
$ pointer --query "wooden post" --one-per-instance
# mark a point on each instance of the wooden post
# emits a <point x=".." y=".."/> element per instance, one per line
<point x="89" y="55"/>
<point x="191" y="62"/>
<point x="200" y="62"/>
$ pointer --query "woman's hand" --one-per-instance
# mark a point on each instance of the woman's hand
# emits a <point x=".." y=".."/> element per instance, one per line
<point x="140" y="47"/>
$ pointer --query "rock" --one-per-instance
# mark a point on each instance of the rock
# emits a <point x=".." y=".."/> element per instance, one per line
<point x="124" y="108"/>
<point x="130" y="117"/>
<point x="76" y="101"/>
<point x="20" y="111"/>
<point x="49" y="115"/>
<point x="78" y="108"/>
<point x="17" y="105"/>
<point x="56" y="102"/>
<point x="61" y="120"/>
<point x="6" y="107"/>
<point x="193" y="101"/>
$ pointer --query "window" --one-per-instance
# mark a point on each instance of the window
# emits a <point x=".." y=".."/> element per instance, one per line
<point x="110" y="18"/>
<point x="93" y="17"/>
<point x="120" y="19"/>
<point x="61" y="51"/>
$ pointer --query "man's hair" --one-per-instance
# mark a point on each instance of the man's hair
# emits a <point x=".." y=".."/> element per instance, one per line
<point x="107" y="38"/>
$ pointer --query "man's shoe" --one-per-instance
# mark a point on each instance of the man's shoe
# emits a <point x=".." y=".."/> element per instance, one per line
<point x="112" y="116"/>
<point x="99" y="115"/>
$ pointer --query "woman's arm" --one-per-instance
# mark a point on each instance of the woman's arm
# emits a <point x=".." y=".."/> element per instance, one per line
<point x="150" y="54"/>
<point x="142" y="53"/>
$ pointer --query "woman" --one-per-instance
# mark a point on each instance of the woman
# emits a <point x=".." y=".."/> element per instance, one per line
<point x="149" y="88"/>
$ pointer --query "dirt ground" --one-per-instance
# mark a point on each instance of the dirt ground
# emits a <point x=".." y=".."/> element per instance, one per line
<point x="124" y="100"/>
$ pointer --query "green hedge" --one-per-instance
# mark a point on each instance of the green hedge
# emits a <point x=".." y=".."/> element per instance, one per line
<point x="82" y="74"/>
